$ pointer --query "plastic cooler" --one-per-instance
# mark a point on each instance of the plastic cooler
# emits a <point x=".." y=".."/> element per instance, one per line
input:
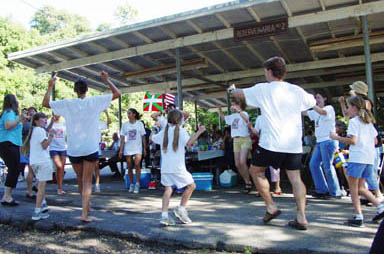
<point x="145" y="178"/>
<point x="203" y="181"/>
<point x="228" y="178"/>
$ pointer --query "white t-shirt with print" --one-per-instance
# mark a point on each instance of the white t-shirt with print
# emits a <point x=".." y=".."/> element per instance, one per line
<point x="82" y="122"/>
<point x="239" y="127"/>
<point x="133" y="137"/>
<point x="281" y="103"/>
<point x="37" y="153"/>
<point x="324" y="124"/>
<point x="58" y="142"/>
<point x="172" y="162"/>
<point x="364" y="151"/>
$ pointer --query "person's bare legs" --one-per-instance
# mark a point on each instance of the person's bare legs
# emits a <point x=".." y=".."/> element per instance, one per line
<point x="130" y="168"/>
<point x="262" y="185"/>
<point x="366" y="193"/>
<point x="59" y="163"/>
<point x="299" y="192"/>
<point x="354" y="190"/>
<point x="7" y="196"/>
<point x="97" y="173"/>
<point x="29" y="180"/>
<point x="40" y="193"/>
<point x="88" y="169"/>
<point x="78" y="168"/>
<point x="187" y="194"/>
<point x="166" y="198"/>
<point x="241" y="165"/>
<point x="138" y="167"/>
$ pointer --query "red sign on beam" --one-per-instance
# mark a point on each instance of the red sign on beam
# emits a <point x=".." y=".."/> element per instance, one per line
<point x="259" y="30"/>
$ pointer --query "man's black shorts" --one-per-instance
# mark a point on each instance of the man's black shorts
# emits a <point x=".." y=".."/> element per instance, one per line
<point x="91" y="157"/>
<point x="264" y="158"/>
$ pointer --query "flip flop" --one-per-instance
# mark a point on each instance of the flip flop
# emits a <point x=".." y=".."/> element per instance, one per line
<point x="10" y="203"/>
<point x="296" y="225"/>
<point x="270" y="216"/>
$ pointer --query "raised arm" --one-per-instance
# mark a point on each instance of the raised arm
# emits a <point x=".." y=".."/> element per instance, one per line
<point x="241" y="113"/>
<point x="237" y="93"/>
<point x="196" y="135"/>
<point x="47" y="96"/>
<point x="343" y="106"/>
<point x="115" y="91"/>
<point x="220" y="112"/>
<point x="48" y="140"/>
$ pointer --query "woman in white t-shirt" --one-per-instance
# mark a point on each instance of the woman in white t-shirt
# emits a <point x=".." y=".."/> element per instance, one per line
<point x="36" y="144"/>
<point x="83" y="135"/>
<point x="58" y="151"/>
<point x="242" y="143"/>
<point x="323" y="173"/>
<point x="173" y="139"/>
<point x="361" y="136"/>
<point x="132" y="142"/>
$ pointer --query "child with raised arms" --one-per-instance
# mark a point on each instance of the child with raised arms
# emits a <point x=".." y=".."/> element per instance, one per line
<point x="37" y="143"/>
<point x="173" y="139"/>
<point x="361" y="136"/>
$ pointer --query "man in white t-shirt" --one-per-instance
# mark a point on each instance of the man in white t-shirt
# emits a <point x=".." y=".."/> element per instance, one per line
<point x="81" y="116"/>
<point x="281" y="104"/>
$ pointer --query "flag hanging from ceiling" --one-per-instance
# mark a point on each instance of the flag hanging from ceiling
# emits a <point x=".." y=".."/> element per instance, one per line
<point x="153" y="102"/>
<point x="170" y="99"/>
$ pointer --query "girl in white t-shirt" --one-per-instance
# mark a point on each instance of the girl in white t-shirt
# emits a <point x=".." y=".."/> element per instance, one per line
<point x="132" y="142"/>
<point x="361" y="136"/>
<point x="321" y="166"/>
<point x="242" y="143"/>
<point x="37" y="144"/>
<point x="58" y="151"/>
<point x="173" y="140"/>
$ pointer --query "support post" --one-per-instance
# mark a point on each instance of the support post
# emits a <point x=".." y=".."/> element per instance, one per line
<point x="196" y="116"/>
<point x="179" y="84"/>
<point x="122" y="171"/>
<point x="368" y="65"/>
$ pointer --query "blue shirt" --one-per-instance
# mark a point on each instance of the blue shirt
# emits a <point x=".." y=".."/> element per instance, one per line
<point x="13" y="135"/>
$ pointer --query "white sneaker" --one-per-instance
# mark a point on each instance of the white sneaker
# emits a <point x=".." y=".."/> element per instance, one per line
<point x="44" y="208"/>
<point x="168" y="221"/>
<point x="39" y="215"/>
<point x="182" y="216"/>
<point x="21" y="179"/>
<point x="137" y="188"/>
<point x="97" y="188"/>
<point x="131" y="188"/>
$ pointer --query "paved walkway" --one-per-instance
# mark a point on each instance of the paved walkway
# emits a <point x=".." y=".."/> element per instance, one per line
<point x="224" y="219"/>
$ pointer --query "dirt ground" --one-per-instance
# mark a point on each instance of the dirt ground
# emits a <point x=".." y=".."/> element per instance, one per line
<point x="15" y="240"/>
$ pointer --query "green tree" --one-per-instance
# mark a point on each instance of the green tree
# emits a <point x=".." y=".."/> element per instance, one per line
<point x="59" y="24"/>
<point x="125" y="14"/>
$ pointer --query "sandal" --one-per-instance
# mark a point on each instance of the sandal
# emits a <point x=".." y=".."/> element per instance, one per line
<point x="296" y="225"/>
<point x="248" y="188"/>
<point x="10" y="203"/>
<point x="270" y="216"/>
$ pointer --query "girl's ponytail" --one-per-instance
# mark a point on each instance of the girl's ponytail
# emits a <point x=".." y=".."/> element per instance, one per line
<point x="165" y="140"/>
<point x="176" y="137"/>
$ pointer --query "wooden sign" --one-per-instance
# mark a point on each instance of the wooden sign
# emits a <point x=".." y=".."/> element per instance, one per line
<point x="259" y="30"/>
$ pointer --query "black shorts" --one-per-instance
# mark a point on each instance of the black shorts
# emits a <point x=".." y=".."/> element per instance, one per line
<point x="264" y="158"/>
<point x="80" y="159"/>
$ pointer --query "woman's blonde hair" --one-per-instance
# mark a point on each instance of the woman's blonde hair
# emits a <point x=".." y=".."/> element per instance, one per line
<point x="25" y="149"/>
<point x="174" y="117"/>
<point x="364" y="114"/>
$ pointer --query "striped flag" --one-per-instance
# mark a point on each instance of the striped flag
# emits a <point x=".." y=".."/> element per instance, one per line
<point x="153" y="102"/>
<point x="170" y="99"/>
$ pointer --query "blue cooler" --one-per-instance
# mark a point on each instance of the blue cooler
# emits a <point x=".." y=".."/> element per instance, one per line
<point x="203" y="181"/>
<point x="145" y="178"/>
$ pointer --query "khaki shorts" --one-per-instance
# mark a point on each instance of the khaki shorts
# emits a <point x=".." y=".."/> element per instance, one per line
<point x="241" y="143"/>
<point x="43" y="171"/>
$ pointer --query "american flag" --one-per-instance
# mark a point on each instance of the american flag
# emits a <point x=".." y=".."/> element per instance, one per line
<point x="170" y="99"/>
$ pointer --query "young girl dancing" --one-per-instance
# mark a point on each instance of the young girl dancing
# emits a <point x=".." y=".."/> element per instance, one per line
<point x="361" y="136"/>
<point x="37" y="144"/>
<point x="173" y="140"/>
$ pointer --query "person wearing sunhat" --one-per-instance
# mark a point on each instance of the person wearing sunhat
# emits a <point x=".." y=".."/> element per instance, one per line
<point x="359" y="88"/>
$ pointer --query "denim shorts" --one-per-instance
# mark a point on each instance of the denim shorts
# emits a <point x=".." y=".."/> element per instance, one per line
<point x="359" y="170"/>
<point x="57" y="153"/>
